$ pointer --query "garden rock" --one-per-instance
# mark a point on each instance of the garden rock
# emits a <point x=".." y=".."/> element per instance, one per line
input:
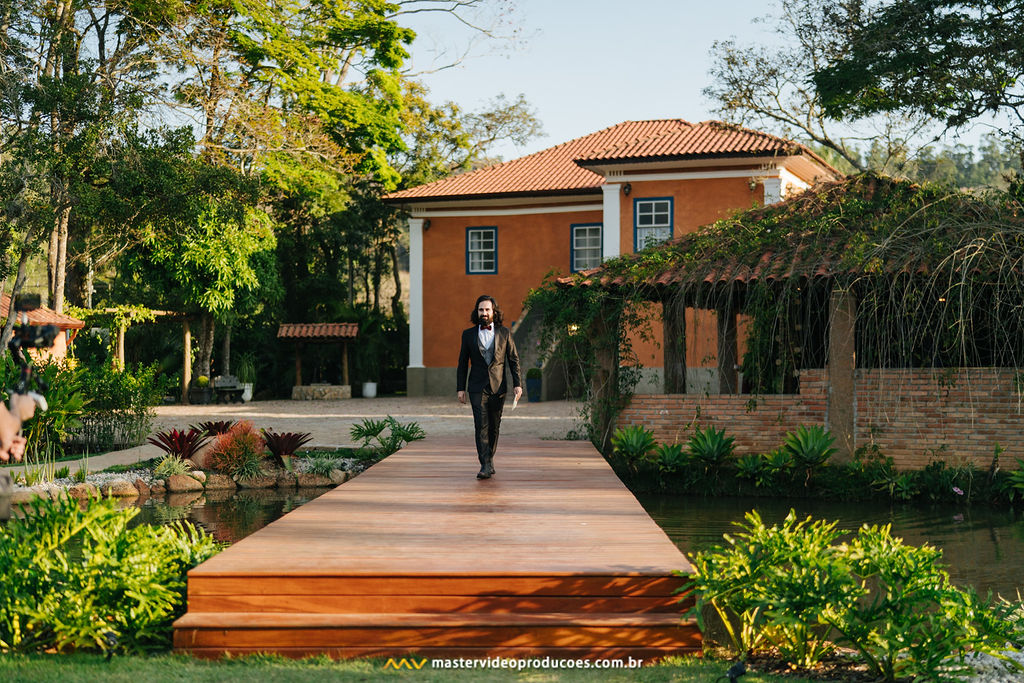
<point x="83" y="490"/>
<point x="157" y="487"/>
<point x="181" y="483"/>
<point x="259" y="482"/>
<point x="286" y="480"/>
<point x="202" y="457"/>
<point x="119" y="488"/>
<point x="339" y="476"/>
<point x="307" y="480"/>
<point x="142" y="487"/>
<point x="216" y="481"/>
<point x="23" y="495"/>
<point x="199" y="476"/>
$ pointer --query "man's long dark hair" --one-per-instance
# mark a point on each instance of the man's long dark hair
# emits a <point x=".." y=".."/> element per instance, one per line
<point x="498" y="317"/>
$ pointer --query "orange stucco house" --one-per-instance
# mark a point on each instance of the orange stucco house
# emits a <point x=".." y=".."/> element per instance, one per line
<point x="499" y="230"/>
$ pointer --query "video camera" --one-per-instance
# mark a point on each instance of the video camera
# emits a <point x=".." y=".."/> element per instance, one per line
<point x="30" y="336"/>
<point x="25" y="337"/>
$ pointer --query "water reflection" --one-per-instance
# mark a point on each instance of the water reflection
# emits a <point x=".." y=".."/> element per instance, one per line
<point x="227" y="515"/>
<point x="981" y="546"/>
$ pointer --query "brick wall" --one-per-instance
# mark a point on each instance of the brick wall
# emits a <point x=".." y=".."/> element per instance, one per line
<point x="914" y="416"/>
<point x="957" y="415"/>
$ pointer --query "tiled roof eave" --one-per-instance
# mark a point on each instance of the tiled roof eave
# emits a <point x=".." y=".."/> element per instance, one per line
<point x="524" y="194"/>
<point x="588" y="163"/>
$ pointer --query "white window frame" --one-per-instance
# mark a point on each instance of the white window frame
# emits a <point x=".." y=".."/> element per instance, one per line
<point x="652" y="221"/>
<point x="593" y="251"/>
<point x="480" y="253"/>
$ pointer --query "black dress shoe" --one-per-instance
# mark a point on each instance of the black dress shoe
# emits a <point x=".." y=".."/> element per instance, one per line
<point x="483" y="474"/>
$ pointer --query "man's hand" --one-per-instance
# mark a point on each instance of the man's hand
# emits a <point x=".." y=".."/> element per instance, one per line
<point x="517" y="393"/>
<point x="462" y="397"/>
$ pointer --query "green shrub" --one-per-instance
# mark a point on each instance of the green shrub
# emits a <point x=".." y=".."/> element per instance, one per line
<point x="169" y="466"/>
<point x="752" y="466"/>
<point x="671" y="458"/>
<point x="398" y="435"/>
<point x="239" y="452"/>
<point x="119" y="413"/>
<point x="321" y="464"/>
<point x="633" y="443"/>
<point x="790" y="586"/>
<point x="810" y="448"/>
<point x="79" y="578"/>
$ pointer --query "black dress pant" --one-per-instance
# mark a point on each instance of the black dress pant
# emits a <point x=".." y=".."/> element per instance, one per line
<point x="487" y="409"/>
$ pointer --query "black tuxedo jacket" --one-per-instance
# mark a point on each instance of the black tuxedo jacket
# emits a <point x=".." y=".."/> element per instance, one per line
<point x="491" y="376"/>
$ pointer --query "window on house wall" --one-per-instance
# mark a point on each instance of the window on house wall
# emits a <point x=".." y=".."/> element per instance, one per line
<point x="652" y="221"/>
<point x="481" y="250"/>
<point x="586" y="246"/>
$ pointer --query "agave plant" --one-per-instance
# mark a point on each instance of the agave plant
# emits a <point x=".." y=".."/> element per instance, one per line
<point x="284" y="444"/>
<point x="178" y="443"/>
<point x="214" y="427"/>
<point x="711" y="448"/>
<point x="810" y="448"/>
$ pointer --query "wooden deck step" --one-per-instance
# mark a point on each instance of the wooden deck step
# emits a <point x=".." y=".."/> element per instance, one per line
<point x="412" y="631"/>
<point x="553" y="556"/>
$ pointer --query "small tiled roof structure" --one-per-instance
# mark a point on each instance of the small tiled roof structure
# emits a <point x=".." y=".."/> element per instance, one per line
<point x="317" y="331"/>
<point x="562" y="169"/>
<point x="43" y="316"/>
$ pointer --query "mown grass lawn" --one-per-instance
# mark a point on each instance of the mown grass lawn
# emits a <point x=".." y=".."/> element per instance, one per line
<point x="160" y="668"/>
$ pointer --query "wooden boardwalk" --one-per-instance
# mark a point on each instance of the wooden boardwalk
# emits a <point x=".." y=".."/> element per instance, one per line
<point x="552" y="556"/>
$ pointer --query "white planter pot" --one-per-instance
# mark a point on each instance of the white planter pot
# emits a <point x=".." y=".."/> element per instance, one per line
<point x="369" y="389"/>
<point x="246" y="391"/>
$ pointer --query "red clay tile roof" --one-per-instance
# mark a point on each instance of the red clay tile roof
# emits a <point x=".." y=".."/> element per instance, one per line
<point x="560" y="169"/>
<point x="707" y="139"/>
<point x="318" y="331"/>
<point x="43" y="316"/>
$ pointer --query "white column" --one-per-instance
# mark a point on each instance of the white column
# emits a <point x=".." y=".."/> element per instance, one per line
<point x="416" y="292"/>
<point x="610" y="231"/>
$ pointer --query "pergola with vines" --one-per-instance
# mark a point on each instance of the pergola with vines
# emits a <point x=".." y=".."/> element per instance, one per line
<point x="867" y="272"/>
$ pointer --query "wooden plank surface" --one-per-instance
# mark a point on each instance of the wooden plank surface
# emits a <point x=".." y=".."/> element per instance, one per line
<point x="553" y="508"/>
<point x="551" y="555"/>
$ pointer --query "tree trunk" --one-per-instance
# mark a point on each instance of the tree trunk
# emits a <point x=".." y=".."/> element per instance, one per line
<point x="351" y="282"/>
<point x="225" y="361"/>
<point x="674" y="312"/>
<point x="396" y="299"/>
<point x="207" y="326"/>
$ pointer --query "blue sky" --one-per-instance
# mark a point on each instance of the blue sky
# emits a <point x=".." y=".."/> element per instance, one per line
<point x="588" y="64"/>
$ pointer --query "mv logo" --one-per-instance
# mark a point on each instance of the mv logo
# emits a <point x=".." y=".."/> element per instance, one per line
<point x="404" y="663"/>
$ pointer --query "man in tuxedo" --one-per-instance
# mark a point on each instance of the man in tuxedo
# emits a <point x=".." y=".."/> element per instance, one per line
<point x="486" y="348"/>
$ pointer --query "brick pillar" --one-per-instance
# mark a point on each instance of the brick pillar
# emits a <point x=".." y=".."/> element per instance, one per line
<point x="840" y="364"/>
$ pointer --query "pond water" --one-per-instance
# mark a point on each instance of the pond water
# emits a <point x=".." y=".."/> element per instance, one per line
<point x="228" y="516"/>
<point x="982" y="547"/>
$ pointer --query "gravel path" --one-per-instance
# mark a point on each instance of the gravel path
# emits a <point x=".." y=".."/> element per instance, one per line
<point x="329" y="421"/>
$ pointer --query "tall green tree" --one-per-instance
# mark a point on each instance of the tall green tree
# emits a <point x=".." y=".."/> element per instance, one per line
<point x="71" y="73"/>
<point x="768" y="86"/>
<point x="948" y="59"/>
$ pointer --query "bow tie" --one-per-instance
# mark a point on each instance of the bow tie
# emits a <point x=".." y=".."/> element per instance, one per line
<point x="485" y="327"/>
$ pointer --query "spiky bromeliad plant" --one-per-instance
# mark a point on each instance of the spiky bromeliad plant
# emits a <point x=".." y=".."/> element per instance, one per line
<point x="214" y="427"/>
<point x="282" y="444"/>
<point x="179" y="444"/>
